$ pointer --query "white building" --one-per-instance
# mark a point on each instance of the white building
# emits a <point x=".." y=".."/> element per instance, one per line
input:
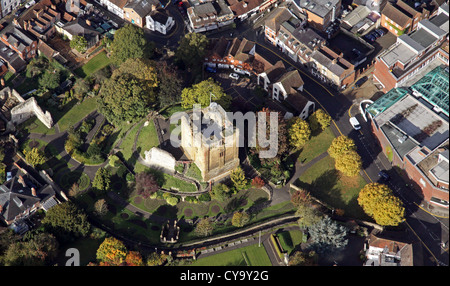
<point x="7" y="6"/>
<point x="160" y="21"/>
<point x="114" y="6"/>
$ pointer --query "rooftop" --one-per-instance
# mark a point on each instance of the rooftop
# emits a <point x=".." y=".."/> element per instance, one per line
<point x="318" y="7"/>
<point x="434" y="87"/>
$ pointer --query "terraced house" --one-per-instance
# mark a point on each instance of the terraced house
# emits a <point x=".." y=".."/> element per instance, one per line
<point x="418" y="51"/>
<point x="209" y="16"/>
<point x="7" y="6"/>
<point x="402" y="17"/>
<point x="17" y="47"/>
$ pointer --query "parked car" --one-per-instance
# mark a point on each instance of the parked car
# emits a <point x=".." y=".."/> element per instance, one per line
<point x="355" y="123"/>
<point x="384" y="176"/>
<point x="370" y="38"/>
<point x="380" y="32"/>
<point x="210" y="69"/>
<point x="361" y="81"/>
<point x="19" y="12"/>
<point x="234" y="76"/>
<point x="8" y="176"/>
<point x="375" y="34"/>
<point x="29" y="4"/>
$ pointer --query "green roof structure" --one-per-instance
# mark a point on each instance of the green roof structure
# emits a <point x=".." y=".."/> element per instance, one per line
<point x="386" y="101"/>
<point x="434" y="87"/>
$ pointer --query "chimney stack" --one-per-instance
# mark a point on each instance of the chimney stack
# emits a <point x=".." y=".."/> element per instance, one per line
<point x="33" y="192"/>
<point x="22" y="181"/>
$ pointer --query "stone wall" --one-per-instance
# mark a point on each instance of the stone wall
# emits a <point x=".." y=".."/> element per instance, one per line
<point x="28" y="108"/>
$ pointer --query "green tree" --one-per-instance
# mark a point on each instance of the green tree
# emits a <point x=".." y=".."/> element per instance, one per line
<point x="102" y="179"/>
<point x="143" y="70"/>
<point x="379" y="202"/>
<point x="308" y="215"/>
<point x="66" y="221"/>
<point x="299" y="132"/>
<point x="319" y="120"/>
<point x="50" y="80"/>
<point x="192" y="49"/>
<point x="80" y="88"/>
<point x="349" y="163"/>
<point x="156" y="259"/>
<point x="114" y="161"/>
<point x="129" y="42"/>
<point x="240" y="219"/>
<point x="220" y="192"/>
<point x="169" y="84"/>
<point x="237" y="176"/>
<point x="34" y="157"/>
<point x="204" y="227"/>
<point x="202" y="92"/>
<point x="37" y="251"/>
<point x="112" y="251"/>
<point x="341" y="145"/>
<point x="300" y="258"/>
<point x="79" y="43"/>
<point x="124" y="98"/>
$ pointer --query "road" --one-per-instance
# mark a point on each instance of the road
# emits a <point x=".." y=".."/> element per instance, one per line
<point x="430" y="229"/>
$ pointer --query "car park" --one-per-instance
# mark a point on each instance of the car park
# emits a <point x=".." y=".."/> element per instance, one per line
<point x="355" y="123"/>
<point x="234" y="76"/>
<point x="361" y="81"/>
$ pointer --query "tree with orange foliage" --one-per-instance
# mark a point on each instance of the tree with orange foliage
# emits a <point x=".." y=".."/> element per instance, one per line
<point x="111" y="252"/>
<point x="134" y="258"/>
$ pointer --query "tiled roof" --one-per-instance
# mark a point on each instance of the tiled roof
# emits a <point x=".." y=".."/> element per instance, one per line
<point x="396" y="15"/>
<point x="275" y="20"/>
<point x="243" y="6"/>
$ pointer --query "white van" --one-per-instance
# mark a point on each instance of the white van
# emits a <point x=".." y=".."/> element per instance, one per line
<point x="29" y="4"/>
<point x="355" y="123"/>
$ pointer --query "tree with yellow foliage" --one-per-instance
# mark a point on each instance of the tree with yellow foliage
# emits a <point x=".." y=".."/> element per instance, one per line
<point x="341" y="145"/>
<point x="349" y="163"/>
<point x="299" y="132"/>
<point x="379" y="202"/>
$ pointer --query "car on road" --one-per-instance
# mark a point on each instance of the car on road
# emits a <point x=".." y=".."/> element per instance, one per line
<point x="383" y="175"/>
<point x="210" y="69"/>
<point x="8" y="176"/>
<point x="234" y="76"/>
<point x="361" y="81"/>
<point x="355" y="123"/>
<point x="19" y="12"/>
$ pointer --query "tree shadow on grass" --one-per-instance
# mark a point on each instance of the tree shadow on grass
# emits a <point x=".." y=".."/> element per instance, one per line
<point x="169" y="212"/>
<point x="236" y="203"/>
<point x="324" y="187"/>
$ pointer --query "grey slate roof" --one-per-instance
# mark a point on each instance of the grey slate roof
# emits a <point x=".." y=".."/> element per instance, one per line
<point x="141" y="7"/>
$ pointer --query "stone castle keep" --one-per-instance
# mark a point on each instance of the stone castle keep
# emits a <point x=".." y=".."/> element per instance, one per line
<point x="215" y="153"/>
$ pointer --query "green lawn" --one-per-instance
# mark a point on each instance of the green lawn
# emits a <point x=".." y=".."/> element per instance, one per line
<point x="254" y="256"/>
<point x="194" y="172"/>
<point x="96" y="63"/>
<point x="290" y="239"/>
<point x="147" y="138"/>
<point x="87" y="248"/>
<point x="182" y="186"/>
<point x="325" y="183"/>
<point x="171" y="110"/>
<point x="316" y="145"/>
<point x="76" y="113"/>
<point x="34" y="125"/>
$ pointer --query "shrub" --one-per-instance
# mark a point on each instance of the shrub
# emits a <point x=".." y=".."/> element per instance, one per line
<point x="172" y="201"/>
<point x="206" y="197"/>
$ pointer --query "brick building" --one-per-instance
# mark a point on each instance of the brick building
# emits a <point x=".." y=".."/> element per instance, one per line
<point x="413" y="130"/>
<point x="418" y="51"/>
<point x="321" y="13"/>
